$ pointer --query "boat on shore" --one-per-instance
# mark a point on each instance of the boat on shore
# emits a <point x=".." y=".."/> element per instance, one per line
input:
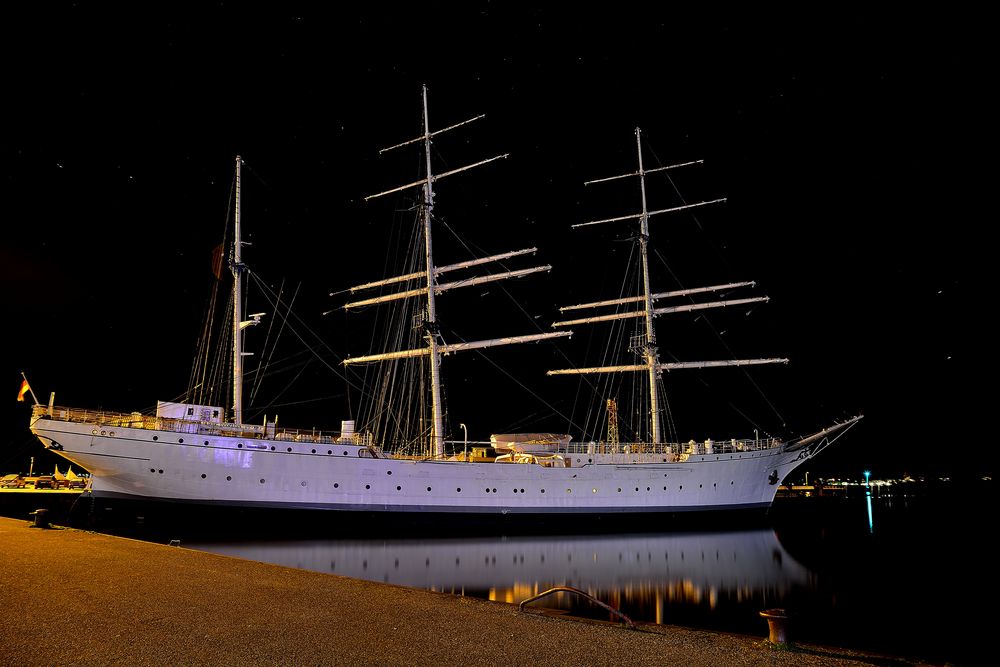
<point x="208" y="455"/>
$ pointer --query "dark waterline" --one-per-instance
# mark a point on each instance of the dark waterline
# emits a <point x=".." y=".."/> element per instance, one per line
<point x="898" y="574"/>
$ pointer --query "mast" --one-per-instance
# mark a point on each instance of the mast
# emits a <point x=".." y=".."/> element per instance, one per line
<point x="437" y="421"/>
<point x="649" y="349"/>
<point x="237" y="267"/>
<point x="436" y="347"/>
<point x="651" y="364"/>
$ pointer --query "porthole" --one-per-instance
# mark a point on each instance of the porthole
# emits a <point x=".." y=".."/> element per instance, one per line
<point x="272" y="448"/>
<point x="399" y="488"/>
<point x="637" y="488"/>
<point x="180" y="440"/>
<point x="155" y="438"/>
<point x="522" y="490"/>
<point x="700" y="485"/>
<point x="647" y="488"/>
<point x="494" y="490"/>
<point x="203" y="475"/>
<point x="329" y="451"/>
<point x="680" y="488"/>
<point x="336" y="485"/>
<point x="487" y="489"/>
<point x="240" y="446"/>
<point x="152" y="470"/>
<point x="304" y="483"/>
<point x="314" y="451"/>
<point x="206" y="443"/>
<point x="543" y="490"/>
<point x="262" y="481"/>
<point x="289" y="449"/>
<point x="515" y="490"/>
<point x="459" y="489"/>
<point x="160" y="471"/>
<point x="345" y="452"/>
<point x="368" y="486"/>
<point x="428" y="488"/>
<point x="664" y="488"/>
<point x="229" y="478"/>
<point x="569" y="490"/>
<point x="619" y="490"/>
<point x="388" y="472"/>
<point x="594" y="490"/>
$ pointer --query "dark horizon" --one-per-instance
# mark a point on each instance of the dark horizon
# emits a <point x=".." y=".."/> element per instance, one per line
<point x="844" y="144"/>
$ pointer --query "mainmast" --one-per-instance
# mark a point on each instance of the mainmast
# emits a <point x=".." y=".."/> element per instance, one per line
<point x="649" y="349"/>
<point x="432" y="333"/>
<point x="436" y="348"/>
<point x="651" y="364"/>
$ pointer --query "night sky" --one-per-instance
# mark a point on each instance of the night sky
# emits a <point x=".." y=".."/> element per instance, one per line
<point x="850" y="146"/>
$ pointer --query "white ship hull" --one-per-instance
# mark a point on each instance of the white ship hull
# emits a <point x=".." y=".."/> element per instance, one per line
<point x="170" y="465"/>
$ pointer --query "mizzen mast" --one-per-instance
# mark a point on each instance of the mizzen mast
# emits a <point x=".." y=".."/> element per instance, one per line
<point x="648" y="349"/>
<point x="436" y="347"/>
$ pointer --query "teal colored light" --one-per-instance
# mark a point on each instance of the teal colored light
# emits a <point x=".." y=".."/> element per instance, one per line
<point x="871" y="523"/>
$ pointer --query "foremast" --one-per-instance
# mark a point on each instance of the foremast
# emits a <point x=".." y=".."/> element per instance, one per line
<point x="436" y="347"/>
<point x="237" y="267"/>
<point x="652" y="365"/>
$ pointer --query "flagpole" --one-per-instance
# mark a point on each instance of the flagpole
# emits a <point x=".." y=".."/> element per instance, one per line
<point x="30" y="390"/>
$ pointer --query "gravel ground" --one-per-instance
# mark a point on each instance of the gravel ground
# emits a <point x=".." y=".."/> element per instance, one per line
<point x="78" y="598"/>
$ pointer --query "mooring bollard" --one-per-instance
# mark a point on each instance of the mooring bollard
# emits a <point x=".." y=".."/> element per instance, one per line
<point x="41" y="518"/>
<point x="777" y="623"/>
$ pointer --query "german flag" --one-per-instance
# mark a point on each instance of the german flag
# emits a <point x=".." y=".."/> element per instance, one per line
<point x="24" y="390"/>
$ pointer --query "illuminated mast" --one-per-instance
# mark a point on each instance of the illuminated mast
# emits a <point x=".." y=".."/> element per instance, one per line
<point x="651" y="364"/>
<point x="237" y="267"/>
<point x="435" y="346"/>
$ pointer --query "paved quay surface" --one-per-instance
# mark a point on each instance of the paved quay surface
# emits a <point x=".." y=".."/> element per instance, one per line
<point x="74" y="597"/>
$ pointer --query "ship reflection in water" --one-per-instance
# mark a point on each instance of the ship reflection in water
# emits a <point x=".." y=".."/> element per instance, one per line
<point x="653" y="578"/>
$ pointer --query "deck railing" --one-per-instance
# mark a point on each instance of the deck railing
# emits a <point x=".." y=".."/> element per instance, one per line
<point x="105" y="421"/>
<point x="732" y="446"/>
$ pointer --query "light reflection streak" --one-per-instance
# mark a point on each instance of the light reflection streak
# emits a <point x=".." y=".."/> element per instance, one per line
<point x="695" y="569"/>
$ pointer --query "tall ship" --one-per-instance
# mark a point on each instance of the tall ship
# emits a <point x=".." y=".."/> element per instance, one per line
<point x="396" y="458"/>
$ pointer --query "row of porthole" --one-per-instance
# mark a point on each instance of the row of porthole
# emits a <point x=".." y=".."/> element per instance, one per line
<point x="229" y="478"/>
<point x="516" y="490"/>
<point x="336" y="485"/>
<point x="345" y="453"/>
<point x="238" y="446"/>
